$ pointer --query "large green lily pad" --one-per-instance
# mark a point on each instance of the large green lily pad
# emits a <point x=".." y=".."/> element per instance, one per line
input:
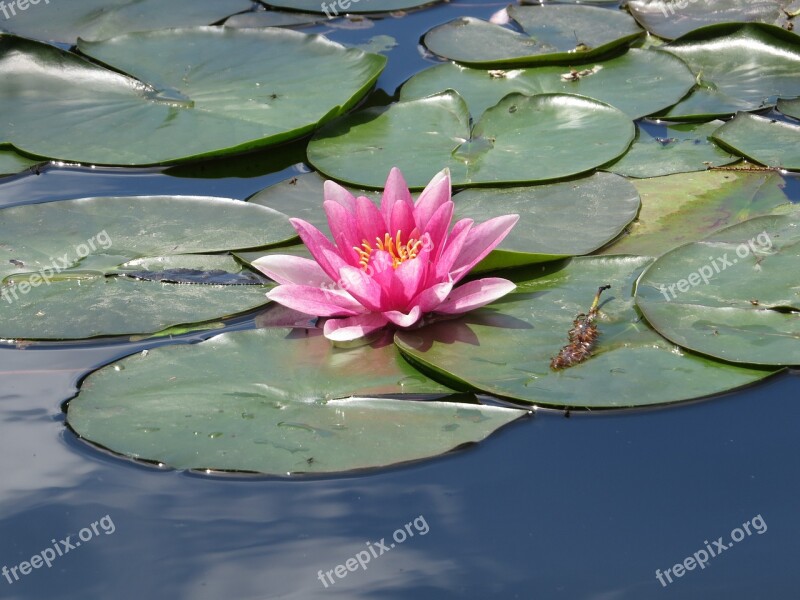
<point x="639" y="83"/>
<point x="734" y="295"/>
<point x="77" y="269"/>
<point x="519" y="140"/>
<point x="506" y="349"/>
<point x="681" y="148"/>
<point x="599" y="207"/>
<point x="687" y="207"/>
<point x="191" y="93"/>
<point x="552" y="33"/>
<point x="100" y="19"/>
<point x="274" y="401"/>
<point x="738" y="67"/>
<point x="766" y="141"/>
<point x="670" y="19"/>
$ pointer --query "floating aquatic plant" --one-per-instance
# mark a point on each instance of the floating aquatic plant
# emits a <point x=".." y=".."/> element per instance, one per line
<point x="388" y="265"/>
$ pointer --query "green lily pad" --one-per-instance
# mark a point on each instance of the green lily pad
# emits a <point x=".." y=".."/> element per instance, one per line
<point x="639" y="83"/>
<point x="766" y="141"/>
<point x="681" y="149"/>
<point x="101" y="19"/>
<point x="734" y="295"/>
<point x="273" y="401"/>
<point x="349" y="6"/>
<point x="11" y="162"/>
<point x="110" y="266"/>
<point x="790" y="108"/>
<point x="506" y="349"/>
<point x="519" y="140"/>
<point x="739" y="67"/>
<point x="670" y="19"/>
<point x="599" y="207"/>
<point x="273" y="18"/>
<point x="687" y="207"/>
<point x="191" y="93"/>
<point x="552" y="33"/>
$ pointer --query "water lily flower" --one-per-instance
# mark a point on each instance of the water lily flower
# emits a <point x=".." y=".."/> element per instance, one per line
<point x="387" y="265"/>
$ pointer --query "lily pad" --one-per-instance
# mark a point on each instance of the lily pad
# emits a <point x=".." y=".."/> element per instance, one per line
<point x="740" y="67"/>
<point x="733" y="295"/>
<point x="687" y="207"/>
<point x="519" y="140"/>
<point x="351" y="6"/>
<point x="670" y="19"/>
<point x="599" y="207"/>
<point x="191" y="93"/>
<point x="766" y="141"/>
<point x="790" y="108"/>
<point x="506" y="349"/>
<point x="273" y="401"/>
<point x="101" y="19"/>
<point x="273" y="18"/>
<point x="552" y="34"/>
<point x="681" y="148"/>
<point x="110" y="266"/>
<point x="11" y="162"/>
<point x="639" y="83"/>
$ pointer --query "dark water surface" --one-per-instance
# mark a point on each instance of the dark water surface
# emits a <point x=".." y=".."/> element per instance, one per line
<point x="579" y="508"/>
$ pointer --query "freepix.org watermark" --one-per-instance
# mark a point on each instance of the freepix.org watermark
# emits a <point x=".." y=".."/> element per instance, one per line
<point x="59" y="548"/>
<point x="374" y="550"/>
<point x="331" y="6"/>
<point x="760" y="243"/>
<point x="712" y="550"/>
<point x="12" y="292"/>
<point x="9" y="9"/>
<point x="676" y="4"/>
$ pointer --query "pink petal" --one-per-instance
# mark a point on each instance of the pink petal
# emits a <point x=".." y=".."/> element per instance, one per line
<point x="343" y="225"/>
<point x="436" y="193"/>
<point x="320" y="247"/>
<point x="437" y="227"/>
<point x="285" y="268"/>
<point x="452" y="249"/>
<point x="371" y="224"/>
<point x="395" y="190"/>
<point x="409" y="277"/>
<point x="361" y="287"/>
<point x="480" y="241"/>
<point x="320" y="302"/>
<point x="402" y="220"/>
<point x="475" y="294"/>
<point x="404" y="320"/>
<point x="333" y="192"/>
<point x="381" y="269"/>
<point x="429" y="299"/>
<point x="344" y="330"/>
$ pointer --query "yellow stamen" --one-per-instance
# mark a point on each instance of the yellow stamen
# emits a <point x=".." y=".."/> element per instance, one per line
<point x="399" y="251"/>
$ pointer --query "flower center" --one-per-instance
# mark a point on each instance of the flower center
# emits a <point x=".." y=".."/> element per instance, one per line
<point x="399" y="251"/>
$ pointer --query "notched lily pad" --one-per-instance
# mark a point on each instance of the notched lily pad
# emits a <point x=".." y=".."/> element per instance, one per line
<point x="192" y="93"/>
<point x="552" y="34"/>
<point x="639" y="83"/>
<point x="521" y="139"/>
<point x="108" y="266"/>
<point x="739" y="67"/>
<point x="734" y="295"/>
<point x="506" y="349"/>
<point x="274" y="401"/>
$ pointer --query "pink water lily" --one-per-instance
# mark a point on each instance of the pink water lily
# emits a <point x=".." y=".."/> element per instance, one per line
<point x="388" y="265"/>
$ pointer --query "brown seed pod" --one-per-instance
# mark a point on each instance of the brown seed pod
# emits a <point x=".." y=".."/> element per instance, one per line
<point x="582" y="337"/>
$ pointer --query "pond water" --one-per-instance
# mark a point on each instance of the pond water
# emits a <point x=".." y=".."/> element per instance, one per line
<point x="574" y="506"/>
